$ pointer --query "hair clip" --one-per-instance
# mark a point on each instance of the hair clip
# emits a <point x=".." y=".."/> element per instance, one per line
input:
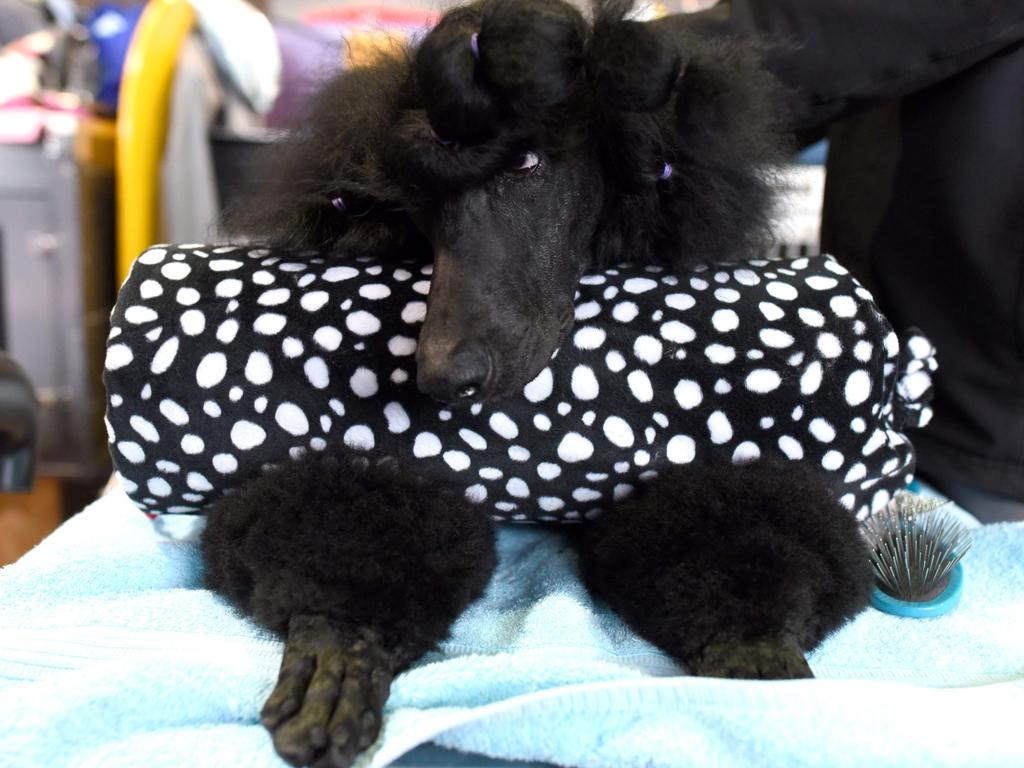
<point x="474" y="45"/>
<point x="666" y="171"/>
<point x="338" y="203"/>
<point x="438" y="139"/>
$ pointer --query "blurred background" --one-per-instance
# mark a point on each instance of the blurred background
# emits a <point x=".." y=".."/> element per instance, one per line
<point x="123" y="124"/>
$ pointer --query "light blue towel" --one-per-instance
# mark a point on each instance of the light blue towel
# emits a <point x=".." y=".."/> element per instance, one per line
<point x="112" y="655"/>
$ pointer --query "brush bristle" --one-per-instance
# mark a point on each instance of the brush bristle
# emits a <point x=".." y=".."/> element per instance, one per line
<point x="914" y="546"/>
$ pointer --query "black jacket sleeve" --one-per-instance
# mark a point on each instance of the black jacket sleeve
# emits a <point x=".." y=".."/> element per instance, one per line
<point x="839" y="56"/>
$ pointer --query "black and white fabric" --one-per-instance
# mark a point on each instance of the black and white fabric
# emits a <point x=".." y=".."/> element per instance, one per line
<point x="225" y="360"/>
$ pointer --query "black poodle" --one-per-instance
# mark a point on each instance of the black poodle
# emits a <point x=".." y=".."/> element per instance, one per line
<point x="517" y="146"/>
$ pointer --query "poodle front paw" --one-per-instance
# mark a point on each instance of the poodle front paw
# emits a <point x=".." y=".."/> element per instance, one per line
<point x="752" y="659"/>
<point x="328" y="703"/>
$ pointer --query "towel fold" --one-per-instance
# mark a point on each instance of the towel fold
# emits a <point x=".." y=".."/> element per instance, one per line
<point x="111" y="654"/>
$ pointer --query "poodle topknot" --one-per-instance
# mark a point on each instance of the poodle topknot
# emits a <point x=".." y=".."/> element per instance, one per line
<point x="686" y="126"/>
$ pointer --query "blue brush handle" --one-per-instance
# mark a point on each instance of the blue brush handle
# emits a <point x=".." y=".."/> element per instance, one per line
<point x="938" y="606"/>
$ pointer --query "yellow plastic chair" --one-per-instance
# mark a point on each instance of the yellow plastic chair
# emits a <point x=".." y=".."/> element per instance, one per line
<point x="143" y="106"/>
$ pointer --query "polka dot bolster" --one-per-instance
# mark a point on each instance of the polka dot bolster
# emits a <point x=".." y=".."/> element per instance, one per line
<point x="223" y="361"/>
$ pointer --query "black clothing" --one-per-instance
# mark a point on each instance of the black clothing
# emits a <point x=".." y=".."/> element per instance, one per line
<point x="223" y="360"/>
<point x="925" y="193"/>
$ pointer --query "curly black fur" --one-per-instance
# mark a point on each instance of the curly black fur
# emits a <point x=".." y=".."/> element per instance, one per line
<point x="422" y="144"/>
<point x="366" y="547"/>
<point x="435" y="119"/>
<point x="722" y="554"/>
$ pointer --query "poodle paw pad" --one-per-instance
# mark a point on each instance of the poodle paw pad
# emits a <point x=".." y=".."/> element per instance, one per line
<point x="328" y="703"/>
<point x="753" y="659"/>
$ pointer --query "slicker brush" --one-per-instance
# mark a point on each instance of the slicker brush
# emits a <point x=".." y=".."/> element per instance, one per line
<point x="916" y="549"/>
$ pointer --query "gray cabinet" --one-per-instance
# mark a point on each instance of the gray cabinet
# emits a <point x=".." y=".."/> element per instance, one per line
<point x="56" y="290"/>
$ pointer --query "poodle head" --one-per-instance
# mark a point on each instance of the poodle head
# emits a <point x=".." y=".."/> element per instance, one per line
<point x="518" y="145"/>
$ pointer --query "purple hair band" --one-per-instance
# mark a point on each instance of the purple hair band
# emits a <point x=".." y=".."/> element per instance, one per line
<point x="666" y="171"/>
<point x="438" y="139"/>
<point x="338" y="203"/>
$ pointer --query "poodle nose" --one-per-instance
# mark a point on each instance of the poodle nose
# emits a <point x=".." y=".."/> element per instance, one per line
<point x="459" y="377"/>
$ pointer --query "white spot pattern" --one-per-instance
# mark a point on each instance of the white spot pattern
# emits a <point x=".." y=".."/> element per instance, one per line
<point x="264" y="340"/>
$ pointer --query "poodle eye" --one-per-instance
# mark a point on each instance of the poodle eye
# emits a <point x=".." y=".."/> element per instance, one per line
<point x="526" y="163"/>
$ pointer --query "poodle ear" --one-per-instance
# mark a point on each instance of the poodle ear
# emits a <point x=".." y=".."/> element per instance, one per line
<point x="729" y="140"/>
<point x="324" y="187"/>
<point x="693" y="151"/>
<point x="632" y="69"/>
